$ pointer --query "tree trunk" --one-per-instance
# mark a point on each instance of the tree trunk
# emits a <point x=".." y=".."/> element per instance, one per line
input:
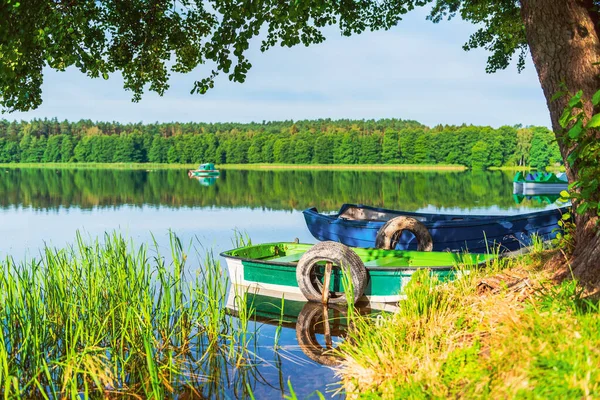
<point x="564" y="42"/>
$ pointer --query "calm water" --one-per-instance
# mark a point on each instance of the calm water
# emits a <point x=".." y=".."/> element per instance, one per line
<point x="50" y="206"/>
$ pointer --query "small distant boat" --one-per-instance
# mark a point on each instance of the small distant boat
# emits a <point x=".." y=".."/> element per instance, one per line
<point x="539" y="183"/>
<point x="364" y="226"/>
<point x="207" y="169"/>
<point x="378" y="276"/>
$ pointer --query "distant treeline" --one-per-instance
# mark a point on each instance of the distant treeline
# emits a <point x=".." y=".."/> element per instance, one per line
<point x="386" y="141"/>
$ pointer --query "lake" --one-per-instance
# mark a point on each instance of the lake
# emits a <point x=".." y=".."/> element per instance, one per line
<point x="47" y="206"/>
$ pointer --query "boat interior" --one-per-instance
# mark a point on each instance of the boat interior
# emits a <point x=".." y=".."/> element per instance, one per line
<point x="365" y="214"/>
<point x="280" y="253"/>
<point x="354" y="213"/>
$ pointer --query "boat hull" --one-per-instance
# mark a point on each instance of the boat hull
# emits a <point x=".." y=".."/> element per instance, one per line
<point x="266" y="303"/>
<point x="203" y="173"/>
<point x="384" y="285"/>
<point x="476" y="234"/>
<point x="539" y="183"/>
<point x="532" y="188"/>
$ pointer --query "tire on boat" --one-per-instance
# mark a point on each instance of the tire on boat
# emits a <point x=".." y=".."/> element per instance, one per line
<point x="309" y="319"/>
<point x="389" y="234"/>
<point x="342" y="257"/>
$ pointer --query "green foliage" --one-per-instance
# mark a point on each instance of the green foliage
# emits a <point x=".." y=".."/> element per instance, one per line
<point x="580" y="137"/>
<point x="345" y="151"/>
<point x="158" y="151"/>
<point x="544" y="150"/>
<point x="480" y="155"/>
<point x="390" y="148"/>
<point x="423" y="150"/>
<point x="370" y="150"/>
<point x="387" y="141"/>
<point x="323" y="153"/>
<point x="99" y="38"/>
<point x="105" y="318"/>
<point x="66" y="150"/>
<point x="52" y="152"/>
<point x="565" y="235"/>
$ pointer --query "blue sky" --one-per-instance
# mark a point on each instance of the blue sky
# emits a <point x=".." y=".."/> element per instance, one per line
<point x="417" y="71"/>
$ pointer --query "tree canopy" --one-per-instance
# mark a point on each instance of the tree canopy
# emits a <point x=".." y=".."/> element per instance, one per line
<point x="147" y="41"/>
<point x="387" y="141"/>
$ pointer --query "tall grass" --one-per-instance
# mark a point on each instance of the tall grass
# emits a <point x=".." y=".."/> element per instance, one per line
<point x="101" y="318"/>
<point x="450" y="341"/>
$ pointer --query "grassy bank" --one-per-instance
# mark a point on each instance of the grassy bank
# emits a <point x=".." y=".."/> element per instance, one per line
<point x="347" y="167"/>
<point x="266" y="167"/>
<point x="528" y="337"/>
<point x="512" y="168"/>
<point x="140" y="166"/>
<point x="107" y="319"/>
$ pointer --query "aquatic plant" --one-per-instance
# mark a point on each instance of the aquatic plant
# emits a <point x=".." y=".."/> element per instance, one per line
<point x="103" y="317"/>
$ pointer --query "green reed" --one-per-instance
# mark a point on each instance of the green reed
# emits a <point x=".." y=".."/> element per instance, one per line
<point x="103" y="318"/>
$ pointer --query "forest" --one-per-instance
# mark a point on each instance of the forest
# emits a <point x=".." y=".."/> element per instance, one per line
<point x="325" y="141"/>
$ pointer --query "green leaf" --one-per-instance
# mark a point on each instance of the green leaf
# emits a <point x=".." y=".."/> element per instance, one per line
<point x="596" y="98"/>
<point x="576" y="130"/>
<point x="576" y="99"/>
<point x="558" y="95"/>
<point x="564" y="194"/>
<point x="594" y="122"/>
<point x="105" y="75"/>
<point x="566" y="216"/>
<point x="565" y="118"/>
<point x="572" y="157"/>
<point x="573" y="185"/>
<point x="582" y="208"/>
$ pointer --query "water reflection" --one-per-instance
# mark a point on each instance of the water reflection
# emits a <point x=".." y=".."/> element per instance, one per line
<point x="205" y="181"/>
<point x="276" y="190"/>
<point x="543" y="199"/>
<point x="318" y="319"/>
<point x="319" y="328"/>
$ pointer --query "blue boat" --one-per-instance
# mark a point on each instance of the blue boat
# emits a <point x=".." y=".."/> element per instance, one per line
<point x="359" y="226"/>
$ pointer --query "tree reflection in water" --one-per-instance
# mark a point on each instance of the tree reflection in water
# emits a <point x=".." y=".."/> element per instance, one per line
<point x="276" y="190"/>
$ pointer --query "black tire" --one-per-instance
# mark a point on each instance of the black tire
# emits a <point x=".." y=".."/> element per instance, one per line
<point x="341" y="256"/>
<point x="389" y="234"/>
<point x="309" y="319"/>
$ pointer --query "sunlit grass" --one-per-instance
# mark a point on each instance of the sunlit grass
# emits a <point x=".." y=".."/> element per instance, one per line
<point x="142" y="166"/>
<point x="452" y="340"/>
<point x="325" y="167"/>
<point x="347" y="167"/>
<point x="103" y="318"/>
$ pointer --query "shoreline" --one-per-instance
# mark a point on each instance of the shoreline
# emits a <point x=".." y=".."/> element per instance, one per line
<point x="247" y="167"/>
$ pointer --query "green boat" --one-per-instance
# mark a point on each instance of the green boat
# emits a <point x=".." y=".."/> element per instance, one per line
<point x="539" y="183"/>
<point x="377" y="276"/>
<point x="207" y="169"/>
